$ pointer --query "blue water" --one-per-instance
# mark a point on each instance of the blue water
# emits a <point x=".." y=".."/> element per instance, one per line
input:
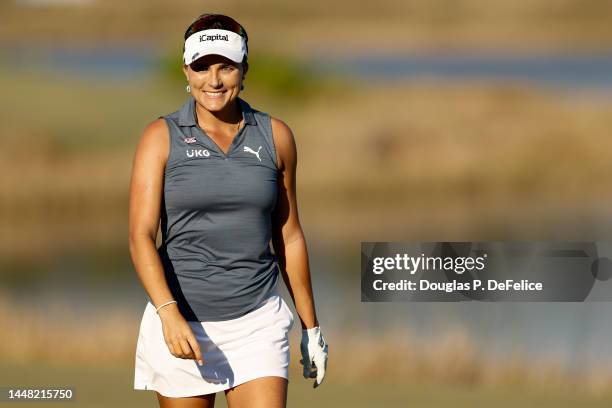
<point x="126" y="62"/>
<point x="578" y="70"/>
<point x="131" y="61"/>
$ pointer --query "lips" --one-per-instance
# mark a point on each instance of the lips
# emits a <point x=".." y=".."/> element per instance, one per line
<point x="214" y="94"/>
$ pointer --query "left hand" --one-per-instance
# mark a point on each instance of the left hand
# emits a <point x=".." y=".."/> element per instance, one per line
<point x="314" y="354"/>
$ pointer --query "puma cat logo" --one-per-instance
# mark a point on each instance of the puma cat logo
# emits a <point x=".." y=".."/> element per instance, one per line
<point x="256" y="153"/>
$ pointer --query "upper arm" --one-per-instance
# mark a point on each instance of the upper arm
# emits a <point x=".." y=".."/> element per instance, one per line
<point x="285" y="218"/>
<point x="147" y="178"/>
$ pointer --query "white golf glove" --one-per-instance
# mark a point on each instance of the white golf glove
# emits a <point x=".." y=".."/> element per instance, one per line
<point x="314" y="354"/>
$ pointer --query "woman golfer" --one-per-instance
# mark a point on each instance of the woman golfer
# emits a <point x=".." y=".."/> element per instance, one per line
<point x="220" y="176"/>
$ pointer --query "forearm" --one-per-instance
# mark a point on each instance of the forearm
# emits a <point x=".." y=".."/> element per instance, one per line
<point x="297" y="278"/>
<point x="150" y="271"/>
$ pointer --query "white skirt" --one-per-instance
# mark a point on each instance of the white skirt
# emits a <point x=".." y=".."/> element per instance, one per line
<point x="234" y="351"/>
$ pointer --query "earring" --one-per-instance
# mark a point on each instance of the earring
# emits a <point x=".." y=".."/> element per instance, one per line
<point x="188" y="88"/>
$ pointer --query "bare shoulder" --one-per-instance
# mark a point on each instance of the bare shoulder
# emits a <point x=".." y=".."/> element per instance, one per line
<point x="154" y="142"/>
<point x="284" y="141"/>
<point x="146" y="185"/>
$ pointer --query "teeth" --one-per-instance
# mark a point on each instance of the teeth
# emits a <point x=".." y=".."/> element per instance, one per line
<point x="213" y="93"/>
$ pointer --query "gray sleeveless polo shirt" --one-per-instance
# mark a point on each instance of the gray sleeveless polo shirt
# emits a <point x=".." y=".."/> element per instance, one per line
<point x="216" y="216"/>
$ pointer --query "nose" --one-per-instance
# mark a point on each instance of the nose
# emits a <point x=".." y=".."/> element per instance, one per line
<point x="214" y="80"/>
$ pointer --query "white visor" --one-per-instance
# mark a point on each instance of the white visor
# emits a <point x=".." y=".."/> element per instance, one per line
<point x="214" y="41"/>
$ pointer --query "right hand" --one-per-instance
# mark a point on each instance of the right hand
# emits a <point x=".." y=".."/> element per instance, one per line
<point x="178" y="335"/>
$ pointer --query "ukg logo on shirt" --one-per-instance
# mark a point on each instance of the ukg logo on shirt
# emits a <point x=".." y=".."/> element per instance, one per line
<point x="197" y="153"/>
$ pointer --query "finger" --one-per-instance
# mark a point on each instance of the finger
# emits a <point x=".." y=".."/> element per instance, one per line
<point x="171" y="348"/>
<point x="321" y="363"/>
<point x="313" y="371"/>
<point x="169" y="343"/>
<point x="195" y="346"/>
<point x="185" y="348"/>
<point x="307" y="367"/>
<point x="178" y="350"/>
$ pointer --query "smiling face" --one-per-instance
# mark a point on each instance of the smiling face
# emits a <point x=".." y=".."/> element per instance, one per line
<point x="215" y="81"/>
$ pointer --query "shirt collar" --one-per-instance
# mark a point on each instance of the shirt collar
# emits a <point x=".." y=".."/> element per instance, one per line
<point x="186" y="115"/>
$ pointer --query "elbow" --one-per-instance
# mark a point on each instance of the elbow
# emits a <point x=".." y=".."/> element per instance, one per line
<point x="293" y="238"/>
<point x="137" y="239"/>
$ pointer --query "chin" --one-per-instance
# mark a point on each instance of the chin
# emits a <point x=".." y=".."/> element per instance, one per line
<point x="212" y="105"/>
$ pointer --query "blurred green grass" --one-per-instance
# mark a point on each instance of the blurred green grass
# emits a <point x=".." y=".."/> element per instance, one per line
<point x="270" y="75"/>
<point x="91" y="347"/>
<point x="103" y="386"/>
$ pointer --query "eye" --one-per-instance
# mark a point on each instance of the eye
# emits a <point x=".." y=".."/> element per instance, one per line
<point x="228" y="67"/>
<point x="198" y="66"/>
